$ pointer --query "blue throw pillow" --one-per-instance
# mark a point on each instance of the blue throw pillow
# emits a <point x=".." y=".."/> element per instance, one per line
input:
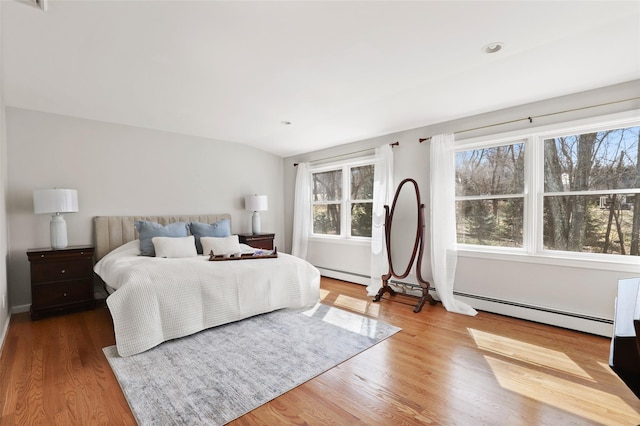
<point x="218" y="229"/>
<point x="147" y="230"/>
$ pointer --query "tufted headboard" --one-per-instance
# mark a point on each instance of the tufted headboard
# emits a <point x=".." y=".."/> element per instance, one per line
<point x="113" y="231"/>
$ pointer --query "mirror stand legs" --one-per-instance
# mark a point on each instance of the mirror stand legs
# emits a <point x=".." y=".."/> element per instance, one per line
<point x="426" y="297"/>
<point x="384" y="289"/>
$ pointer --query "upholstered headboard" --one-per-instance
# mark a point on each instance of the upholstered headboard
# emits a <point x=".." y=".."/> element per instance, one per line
<point x="113" y="231"/>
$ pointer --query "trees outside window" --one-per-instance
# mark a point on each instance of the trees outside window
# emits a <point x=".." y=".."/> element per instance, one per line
<point x="361" y="200"/>
<point x="591" y="186"/>
<point x="327" y="200"/>
<point x="576" y="192"/>
<point x="332" y="206"/>
<point x="490" y="195"/>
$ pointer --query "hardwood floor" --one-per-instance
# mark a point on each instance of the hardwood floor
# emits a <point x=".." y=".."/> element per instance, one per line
<point x="442" y="369"/>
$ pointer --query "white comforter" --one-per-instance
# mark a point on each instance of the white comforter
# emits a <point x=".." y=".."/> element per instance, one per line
<point x="159" y="299"/>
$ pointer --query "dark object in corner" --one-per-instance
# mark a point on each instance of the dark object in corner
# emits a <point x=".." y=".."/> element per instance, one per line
<point x="624" y="357"/>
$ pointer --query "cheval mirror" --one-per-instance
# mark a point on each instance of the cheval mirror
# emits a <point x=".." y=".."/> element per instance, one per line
<point x="404" y="239"/>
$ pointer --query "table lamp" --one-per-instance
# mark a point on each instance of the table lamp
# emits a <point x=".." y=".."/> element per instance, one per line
<point x="56" y="202"/>
<point x="255" y="204"/>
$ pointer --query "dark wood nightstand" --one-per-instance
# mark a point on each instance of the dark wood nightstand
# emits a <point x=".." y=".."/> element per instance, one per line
<point x="61" y="279"/>
<point x="262" y="241"/>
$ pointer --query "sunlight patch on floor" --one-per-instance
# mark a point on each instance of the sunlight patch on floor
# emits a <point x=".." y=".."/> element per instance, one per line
<point x="311" y="312"/>
<point x="346" y="320"/>
<point x="324" y="293"/>
<point x="578" y="399"/>
<point x="526" y="352"/>
<point x="607" y="368"/>
<point x="357" y="305"/>
<point x="356" y="323"/>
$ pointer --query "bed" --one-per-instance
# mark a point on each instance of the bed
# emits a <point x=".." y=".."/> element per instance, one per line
<point x="156" y="299"/>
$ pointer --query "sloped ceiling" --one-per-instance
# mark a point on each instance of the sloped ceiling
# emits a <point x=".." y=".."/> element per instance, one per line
<point x="338" y="71"/>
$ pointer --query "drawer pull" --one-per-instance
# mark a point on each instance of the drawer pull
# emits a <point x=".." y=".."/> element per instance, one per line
<point x="42" y="255"/>
<point x="62" y="271"/>
<point x="64" y="294"/>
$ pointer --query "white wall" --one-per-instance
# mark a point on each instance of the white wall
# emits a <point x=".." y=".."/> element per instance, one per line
<point x="580" y="290"/>
<point x="4" y="291"/>
<point x="123" y="170"/>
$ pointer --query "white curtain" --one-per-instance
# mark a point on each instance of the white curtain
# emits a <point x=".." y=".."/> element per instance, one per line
<point x="443" y="222"/>
<point x="383" y="192"/>
<point x="301" y="212"/>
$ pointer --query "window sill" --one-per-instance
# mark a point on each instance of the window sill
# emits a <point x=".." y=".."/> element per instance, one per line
<point x="339" y="240"/>
<point x="618" y="263"/>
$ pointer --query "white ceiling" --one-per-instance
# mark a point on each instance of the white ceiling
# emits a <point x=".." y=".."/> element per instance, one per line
<point x="340" y="71"/>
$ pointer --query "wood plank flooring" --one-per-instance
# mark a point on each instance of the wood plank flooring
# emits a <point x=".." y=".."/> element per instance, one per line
<point x="441" y="369"/>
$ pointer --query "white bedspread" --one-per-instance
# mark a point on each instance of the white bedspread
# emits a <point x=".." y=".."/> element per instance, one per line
<point x="159" y="299"/>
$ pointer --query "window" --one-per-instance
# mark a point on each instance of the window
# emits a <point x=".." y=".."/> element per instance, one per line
<point x="490" y="195"/>
<point x="573" y="192"/>
<point x="591" y="185"/>
<point x="333" y="207"/>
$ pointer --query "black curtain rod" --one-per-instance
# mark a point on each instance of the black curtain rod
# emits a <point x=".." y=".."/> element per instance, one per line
<point x="530" y="119"/>
<point x="349" y="153"/>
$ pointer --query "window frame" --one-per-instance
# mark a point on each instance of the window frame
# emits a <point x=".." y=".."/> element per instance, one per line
<point x="520" y="195"/>
<point x="533" y="250"/>
<point x="345" y="202"/>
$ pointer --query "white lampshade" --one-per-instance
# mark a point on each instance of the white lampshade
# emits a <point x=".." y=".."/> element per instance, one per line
<point x="256" y="203"/>
<point x="55" y="201"/>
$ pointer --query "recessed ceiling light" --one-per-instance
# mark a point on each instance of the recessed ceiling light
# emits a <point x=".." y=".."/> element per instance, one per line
<point x="285" y="123"/>
<point x="493" y="47"/>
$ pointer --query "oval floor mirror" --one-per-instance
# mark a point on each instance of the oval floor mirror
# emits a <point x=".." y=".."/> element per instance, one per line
<point x="404" y="238"/>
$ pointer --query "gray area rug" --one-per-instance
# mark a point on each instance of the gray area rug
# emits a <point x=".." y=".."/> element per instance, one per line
<point x="219" y="374"/>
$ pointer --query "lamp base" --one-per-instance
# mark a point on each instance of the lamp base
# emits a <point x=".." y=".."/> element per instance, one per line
<point x="58" y="229"/>
<point x="255" y="223"/>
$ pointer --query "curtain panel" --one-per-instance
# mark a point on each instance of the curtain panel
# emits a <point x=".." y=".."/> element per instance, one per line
<point x="383" y="192"/>
<point x="444" y="255"/>
<point x="301" y="212"/>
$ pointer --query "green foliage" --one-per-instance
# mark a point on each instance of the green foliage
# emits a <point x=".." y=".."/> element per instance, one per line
<point x="361" y="218"/>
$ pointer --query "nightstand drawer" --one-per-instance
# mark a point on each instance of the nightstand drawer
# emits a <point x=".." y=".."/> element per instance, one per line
<point x="60" y="294"/>
<point x="261" y="241"/>
<point x="60" y="271"/>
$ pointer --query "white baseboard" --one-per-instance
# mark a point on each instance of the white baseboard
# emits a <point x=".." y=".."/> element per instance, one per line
<point x="4" y="332"/>
<point x="344" y="276"/>
<point x="572" y="321"/>
<point x="20" y="308"/>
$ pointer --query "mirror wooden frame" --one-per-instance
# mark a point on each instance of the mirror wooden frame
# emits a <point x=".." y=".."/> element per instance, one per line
<point x="418" y="250"/>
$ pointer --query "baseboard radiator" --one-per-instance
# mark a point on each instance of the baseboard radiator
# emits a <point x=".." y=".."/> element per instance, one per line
<point x="546" y="315"/>
<point x="351" y="277"/>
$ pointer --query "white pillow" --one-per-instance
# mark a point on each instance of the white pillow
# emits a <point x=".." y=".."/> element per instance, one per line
<point x="220" y="245"/>
<point x="175" y="246"/>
